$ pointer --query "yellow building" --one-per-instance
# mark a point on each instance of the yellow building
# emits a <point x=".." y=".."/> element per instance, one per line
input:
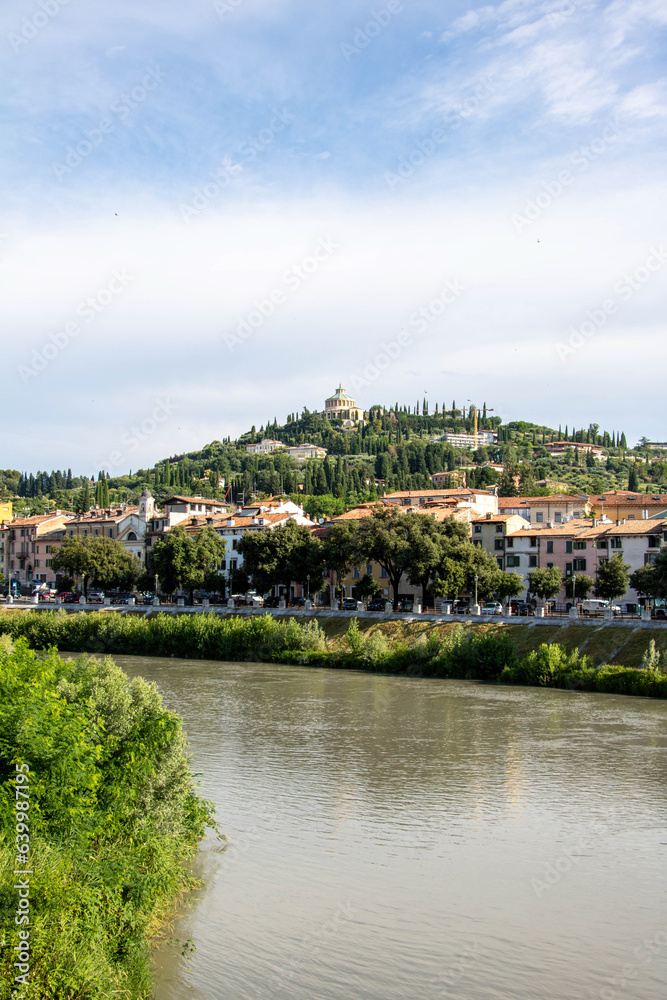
<point x="5" y="510"/>
<point x="340" y="406"/>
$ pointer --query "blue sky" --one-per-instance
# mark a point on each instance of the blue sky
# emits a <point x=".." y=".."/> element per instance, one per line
<point x="214" y="212"/>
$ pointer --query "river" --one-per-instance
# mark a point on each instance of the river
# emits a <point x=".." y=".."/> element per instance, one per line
<point x="395" y="838"/>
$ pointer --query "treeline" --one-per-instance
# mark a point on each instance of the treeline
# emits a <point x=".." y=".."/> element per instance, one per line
<point x="466" y="652"/>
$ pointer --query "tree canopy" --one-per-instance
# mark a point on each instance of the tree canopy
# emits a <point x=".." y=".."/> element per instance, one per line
<point x="105" y="561"/>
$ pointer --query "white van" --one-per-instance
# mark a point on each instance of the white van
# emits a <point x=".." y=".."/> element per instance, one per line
<point x="595" y="605"/>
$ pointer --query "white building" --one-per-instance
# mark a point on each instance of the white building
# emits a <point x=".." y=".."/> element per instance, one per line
<point x="265" y="447"/>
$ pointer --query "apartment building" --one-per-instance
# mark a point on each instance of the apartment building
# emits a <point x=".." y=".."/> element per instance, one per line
<point x="24" y="555"/>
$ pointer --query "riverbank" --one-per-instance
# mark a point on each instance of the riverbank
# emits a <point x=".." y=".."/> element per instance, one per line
<point x="99" y="818"/>
<point x="597" y="657"/>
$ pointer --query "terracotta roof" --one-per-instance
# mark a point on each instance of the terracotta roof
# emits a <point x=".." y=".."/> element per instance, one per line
<point x="25" y="522"/>
<point x="459" y="491"/>
<point x="552" y="498"/>
<point x="640" y="527"/>
<point x="496" y="519"/>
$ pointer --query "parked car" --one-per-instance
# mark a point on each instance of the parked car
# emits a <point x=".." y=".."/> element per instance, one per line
<point x="95" y="597"/>
<point x="272" y="602"/>
<point x="376" y="604"/>
<point x="122" y="599"/>
<point x="406" y="604"/>
<point x="522" y="608"/>
<point x="69" y="598"/>
<point x="148" y="598"/>
<point x="299" y="602"/>
<point x="349" y="604"/>
<point x="460" y="608"/>
<point x="595" y="607"/>
<point x="492" y="608"/>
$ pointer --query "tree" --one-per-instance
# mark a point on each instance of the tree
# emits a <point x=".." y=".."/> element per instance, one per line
<point x="508" y="585"/>
<point x="546" y="583"/>
<point x="580" y="586"/>
<point x="105" y="561"/>
<point x="633" y="480"/>
<point x="430" y="542"/>
<point x="613" y="578"/>
<point x="507" y="486"/>
<point x="367" y="587"/>
<point x="279" y="556"/>
<point x="172" y="557"/>
<point x="339" y="548"/>
<point x="383" y="538"/>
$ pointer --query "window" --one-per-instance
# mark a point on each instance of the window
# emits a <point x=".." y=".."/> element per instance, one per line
<point x="568" y="569"/>
<point x="539" y="517"/>
<point x="500" y="543"/>
<point x="355" y="573"/>
<point x="579" y="564"/>
<point x="96" y="532"/>
<point x="577" y="545"/>
<point x="550" y="565"/>
<point x="383" y="573"/>
<point x="132" y="537"/>
<point x="500" y="563"/>
<point x="550" y="547"/>
<point x="48" y="562"/>
<point x="478" y="529"/>
<point x="616" y="543"/>
<point x="568" y="546"/>
<point x="649" y="558"/>
<point x="558" y="517"/>
<point x="631" y="517"/>
<point x="110" y="532"/>
<point x="235" y="544"/>
<point x="499" y="527"/>
<point x="513" y="560"/>
<point x="223" y="565"/>
<point x="532" y="560"/>
<point x="369" y="569"/>
<point x="602" y="543"/>
<point x="653" y="542"/>
<point x="509" y="542"/>
<point x="533" y="543"/>
<point x="37" y="547"/>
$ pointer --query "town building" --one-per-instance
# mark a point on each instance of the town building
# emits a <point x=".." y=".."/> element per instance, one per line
<point x="483" y="500"/>
<point x="540" y="510"/>
<point x="480" y="440"/>
<point x="24" y="555"/>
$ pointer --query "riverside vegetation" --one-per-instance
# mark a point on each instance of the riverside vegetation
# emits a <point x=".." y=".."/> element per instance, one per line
<point x="463" y="652"/>
<point x="113" y="818"/>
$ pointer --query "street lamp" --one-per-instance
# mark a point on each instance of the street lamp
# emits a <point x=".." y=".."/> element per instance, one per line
<point x="308" y="590"/>
<point x="476" y="579"/>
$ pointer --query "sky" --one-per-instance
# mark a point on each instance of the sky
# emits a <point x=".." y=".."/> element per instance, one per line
<point x="213" y="213"/>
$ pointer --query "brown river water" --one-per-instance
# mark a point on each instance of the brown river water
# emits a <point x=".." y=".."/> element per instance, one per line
<point x="396" y="838"/>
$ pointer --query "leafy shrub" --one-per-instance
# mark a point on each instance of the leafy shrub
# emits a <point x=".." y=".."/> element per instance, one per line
<point x="113" y="816"/>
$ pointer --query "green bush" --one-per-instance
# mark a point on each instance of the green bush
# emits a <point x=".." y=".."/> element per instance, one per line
<point x="113" y="816"/>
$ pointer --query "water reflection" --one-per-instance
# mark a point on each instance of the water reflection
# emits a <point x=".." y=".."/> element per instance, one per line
<point x="401" y="838"/>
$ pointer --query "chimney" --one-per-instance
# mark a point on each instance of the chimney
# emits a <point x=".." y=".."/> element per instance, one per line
<point x="254" y="521"/>
<point x="489" y="515"/>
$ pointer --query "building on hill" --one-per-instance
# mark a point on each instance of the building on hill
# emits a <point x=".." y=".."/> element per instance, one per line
<point x="340" y="406"/>
<point x="302" y="452"/>
<point x="483" y="439"/>
<point x="267" y="446"/>
<point x="557" y="449"/>
<point x="622" y="505"/>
